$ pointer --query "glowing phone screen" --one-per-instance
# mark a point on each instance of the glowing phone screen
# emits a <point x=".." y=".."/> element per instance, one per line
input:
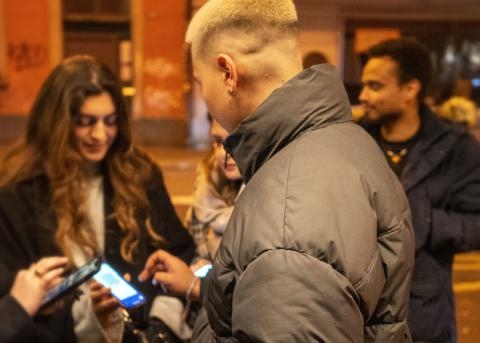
<point x="120" y="288"/>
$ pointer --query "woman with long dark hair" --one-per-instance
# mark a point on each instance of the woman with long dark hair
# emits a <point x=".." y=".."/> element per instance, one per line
<point x="75" y="185"/>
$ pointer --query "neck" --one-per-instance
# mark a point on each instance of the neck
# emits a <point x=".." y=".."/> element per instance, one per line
<point x="268" y="70"/>
<point x="93" y="168"/>
<point x="403" y="127"/>
<point x="261" y="90"/>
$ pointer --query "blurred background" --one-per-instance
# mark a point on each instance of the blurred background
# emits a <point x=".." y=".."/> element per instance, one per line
<point x="142" y="42"/>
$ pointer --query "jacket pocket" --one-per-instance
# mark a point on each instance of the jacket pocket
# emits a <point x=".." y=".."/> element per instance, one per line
<point x="421" y="215"/>
<point x="429" y="308"/>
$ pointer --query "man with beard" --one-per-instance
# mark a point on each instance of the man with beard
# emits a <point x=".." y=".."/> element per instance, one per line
<point x="438" y="164"/>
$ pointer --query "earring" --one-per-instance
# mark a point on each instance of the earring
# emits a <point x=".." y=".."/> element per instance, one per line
<point x="230" y="92"/>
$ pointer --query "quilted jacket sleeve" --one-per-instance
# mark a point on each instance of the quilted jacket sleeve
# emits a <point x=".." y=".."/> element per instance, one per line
<point x="287" y="296"/>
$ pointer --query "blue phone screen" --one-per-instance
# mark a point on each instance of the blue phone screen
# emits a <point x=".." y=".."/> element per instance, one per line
<point x="120" y="288"/>
<point x="203" y="271"/>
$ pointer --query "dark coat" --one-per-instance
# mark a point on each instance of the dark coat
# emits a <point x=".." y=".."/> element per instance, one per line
<point x="442" y="181"/>
<point x="15" y="324"/>
<point x="319" y="247"/>
<point x="27" y="228"/>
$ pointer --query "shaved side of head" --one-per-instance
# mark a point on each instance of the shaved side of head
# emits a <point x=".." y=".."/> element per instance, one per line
<point x="251" y="31"/>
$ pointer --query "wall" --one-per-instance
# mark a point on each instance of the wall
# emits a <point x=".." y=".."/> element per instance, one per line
<point x="33" y="36"/>
<point x="321" y="30"/>
<point x="158" y="37"/>
<point x="32" y="40"/>
<point x="31" y="52"/>
<point x="323" y="21"/>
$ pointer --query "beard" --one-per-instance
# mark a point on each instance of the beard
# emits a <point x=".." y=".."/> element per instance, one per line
<point x="382" y="118"/>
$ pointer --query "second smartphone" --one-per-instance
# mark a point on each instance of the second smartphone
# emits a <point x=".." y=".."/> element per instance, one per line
<point x="123" y="291"/>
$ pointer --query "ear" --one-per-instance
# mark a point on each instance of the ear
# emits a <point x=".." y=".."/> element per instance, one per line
<point x="412" y="88"/>
<point x="227" y="67"/>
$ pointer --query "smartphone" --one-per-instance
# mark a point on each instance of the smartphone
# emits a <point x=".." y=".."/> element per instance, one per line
<point x="122" y="290"/>
<point x="72" y="281"/>
<point x="203" y="271"/>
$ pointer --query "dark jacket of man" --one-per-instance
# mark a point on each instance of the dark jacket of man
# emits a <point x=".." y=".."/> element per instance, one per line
<point x="442" y="180"/>
<point x="27" y="230"/>
<point x="319" y="247"/>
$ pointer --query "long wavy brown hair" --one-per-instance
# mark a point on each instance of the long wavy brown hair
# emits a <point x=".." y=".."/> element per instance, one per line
<point x="47" y="149"/>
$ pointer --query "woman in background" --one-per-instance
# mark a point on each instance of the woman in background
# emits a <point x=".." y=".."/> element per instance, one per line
<point x="217" y="186"/>
<point x="459" y="110"/>
<point x="77" y="186"/>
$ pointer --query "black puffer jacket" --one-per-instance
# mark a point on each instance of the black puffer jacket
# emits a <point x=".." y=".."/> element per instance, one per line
<point x="319" y="246"/>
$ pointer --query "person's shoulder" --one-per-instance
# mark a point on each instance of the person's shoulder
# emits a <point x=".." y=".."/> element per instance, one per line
<point x="25" y="186"/>
<point x="151" y="169"/>
<point x="156" y="175"/>
<point x="459" y="131"/>
<point x="468" y="144"/>
<point x="433" y="122"/>
<point x="24" y="195"/>
<point x="464" y="142"/>
<point x="455" y="128"/>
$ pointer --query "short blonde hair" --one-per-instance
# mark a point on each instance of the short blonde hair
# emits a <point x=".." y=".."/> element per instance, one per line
<point x="264" y="21"/>
<point x="459" y="109"/>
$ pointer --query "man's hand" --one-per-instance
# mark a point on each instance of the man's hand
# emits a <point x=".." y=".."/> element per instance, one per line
<point x="32" y="284"/>
<point x="171" y="271"/>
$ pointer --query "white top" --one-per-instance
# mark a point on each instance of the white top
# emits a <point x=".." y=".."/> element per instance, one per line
<point x="87" y="327"/>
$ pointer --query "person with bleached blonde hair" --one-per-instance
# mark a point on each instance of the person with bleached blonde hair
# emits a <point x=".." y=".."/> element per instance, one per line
<point x="319" y="247"/>
<point x="460" y="110"/>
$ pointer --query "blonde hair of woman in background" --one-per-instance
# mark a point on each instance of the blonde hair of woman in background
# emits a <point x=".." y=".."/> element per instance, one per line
<point x="459" y="109"/>
<point x="217" y="186"/>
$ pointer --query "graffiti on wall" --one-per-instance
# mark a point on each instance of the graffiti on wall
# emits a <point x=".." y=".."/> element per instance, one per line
<point x="160" y="68"/>
<point x="23" y="56"/>
<point x="159" y="95"/>
<point x="162" y="99"/>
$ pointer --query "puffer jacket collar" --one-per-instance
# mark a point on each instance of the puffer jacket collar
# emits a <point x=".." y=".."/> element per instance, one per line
<point x="312" y="99"/>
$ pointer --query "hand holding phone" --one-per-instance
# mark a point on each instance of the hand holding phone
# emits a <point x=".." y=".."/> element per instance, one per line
<point x="32" y="285"/>
<point x="71" y="282"/>
<point x="103" y="303"/>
